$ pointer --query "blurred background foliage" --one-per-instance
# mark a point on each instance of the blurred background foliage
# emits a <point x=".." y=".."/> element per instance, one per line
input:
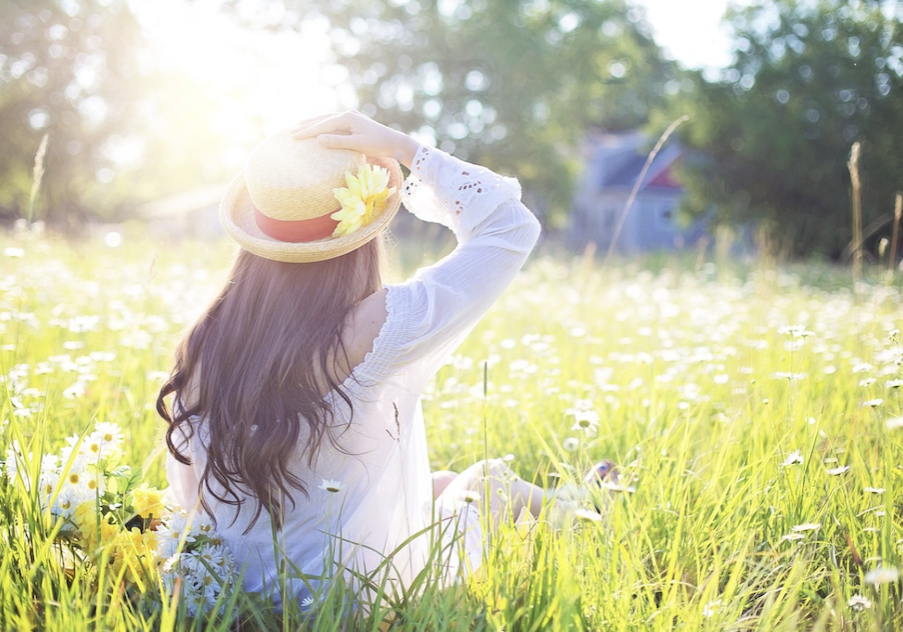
<point x="774" y="131"/>
<point x="511" y="84"/>
<point x="120" y="131"/>
<point x="516" y="84"/>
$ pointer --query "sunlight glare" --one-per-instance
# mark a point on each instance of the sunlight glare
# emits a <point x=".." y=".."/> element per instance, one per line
<point x="272" y="76"/>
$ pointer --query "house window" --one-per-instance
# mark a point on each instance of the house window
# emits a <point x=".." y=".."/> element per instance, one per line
<point x="664" y="212"/>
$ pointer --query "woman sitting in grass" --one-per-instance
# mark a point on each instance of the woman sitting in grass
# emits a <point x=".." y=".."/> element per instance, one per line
<point x="296" y="423"/>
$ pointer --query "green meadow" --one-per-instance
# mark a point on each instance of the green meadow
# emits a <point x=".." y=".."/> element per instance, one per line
<point x="756" y="412"/>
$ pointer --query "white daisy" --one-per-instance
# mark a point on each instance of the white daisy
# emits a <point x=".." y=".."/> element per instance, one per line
<point x="882" y="575"/>
<point x="807" y="526"/>
<point x="110" y="438"/>
<point x="171" y="532"/>
<point x="858" y="602"/>
<point x="47" y="485"/>
<point x="570" y="444"/>
<point x="588" y="515"/>
<point x="66" y="502"/>
<point x="203" y="525"/>
<point x="470" y="496"/>
<point x="616" y="487"/>
<point x="585" y="420"/>
<point x="212" y="555"/>
<point x="708" y="610"/>
<point x="793" y="458"/>
<point x="50" y="464"/>
<point x="332" y="486"/>
<point x="14" y="457"/>
<point x="790" y="537"/>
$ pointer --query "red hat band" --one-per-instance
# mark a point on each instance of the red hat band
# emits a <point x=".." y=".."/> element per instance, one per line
<point x="296" y="231"/>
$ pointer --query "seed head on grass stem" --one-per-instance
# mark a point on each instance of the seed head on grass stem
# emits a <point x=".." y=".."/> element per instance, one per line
<point x="37" y="176"/>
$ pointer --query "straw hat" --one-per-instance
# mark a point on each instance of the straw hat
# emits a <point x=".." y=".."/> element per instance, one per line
<point x="279" y="207"/>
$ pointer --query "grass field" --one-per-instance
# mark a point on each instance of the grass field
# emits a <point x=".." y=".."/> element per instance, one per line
<point x="756" y="415"/>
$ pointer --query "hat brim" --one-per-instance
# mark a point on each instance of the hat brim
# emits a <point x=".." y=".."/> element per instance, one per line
<point x="237" y="217"/>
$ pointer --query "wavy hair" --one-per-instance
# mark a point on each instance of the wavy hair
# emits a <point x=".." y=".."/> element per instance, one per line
<point x="257" y="366"/>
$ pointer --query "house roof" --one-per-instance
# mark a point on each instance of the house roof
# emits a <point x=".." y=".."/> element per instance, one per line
<point x="618" y="160"/>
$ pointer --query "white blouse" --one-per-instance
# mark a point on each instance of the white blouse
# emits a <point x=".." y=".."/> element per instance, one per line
<point x="383" y="523"/>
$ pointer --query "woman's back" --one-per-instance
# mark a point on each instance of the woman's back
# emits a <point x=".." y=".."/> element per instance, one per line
<point x="368" y="495"/>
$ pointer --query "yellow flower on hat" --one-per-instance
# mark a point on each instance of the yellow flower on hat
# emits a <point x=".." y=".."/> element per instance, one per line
<point x="362" y="200"/>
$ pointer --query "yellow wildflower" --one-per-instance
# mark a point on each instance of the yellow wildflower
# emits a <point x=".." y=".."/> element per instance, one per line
<point x="88" y="522"/>
<point x="362" y="200"/>
<point x="108" y="531"/>
<point x="147" y="501"/>
<point x="134" y="555"/>
<point x="96" y="530"/>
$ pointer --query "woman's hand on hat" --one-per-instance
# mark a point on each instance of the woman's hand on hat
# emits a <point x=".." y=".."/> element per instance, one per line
<point x="353" y="130"/>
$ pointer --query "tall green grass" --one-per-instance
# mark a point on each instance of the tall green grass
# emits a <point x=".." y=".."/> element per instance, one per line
<point x="732" y="399"/>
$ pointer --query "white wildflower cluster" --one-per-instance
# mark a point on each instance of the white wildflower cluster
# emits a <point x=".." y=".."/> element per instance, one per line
<point x="195" y="562"/>
<point x="74" y="477"/>
<point x="709" y="610"/>
<point x="192" y="558"/>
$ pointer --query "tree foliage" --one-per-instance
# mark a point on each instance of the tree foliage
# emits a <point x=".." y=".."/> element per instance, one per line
<point x="68" y="70"/>
<point x="513" y="84"/>
<point x="121" y="130"/>
<point x="774" y="133"/>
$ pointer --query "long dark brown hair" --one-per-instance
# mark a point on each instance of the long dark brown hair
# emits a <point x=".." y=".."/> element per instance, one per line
<point x="258" y="364"/>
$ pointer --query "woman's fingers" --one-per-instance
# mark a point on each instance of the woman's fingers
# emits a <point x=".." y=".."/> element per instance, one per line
<point x="316" y="127"/>
<point x="341" y="141"/>
<point x="326" y="125"/>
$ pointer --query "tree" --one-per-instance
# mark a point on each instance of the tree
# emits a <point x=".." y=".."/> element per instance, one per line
<point x="513" y="84"/>
<point x="121" y="130"/>
<point x="68" y="70"/>
<point x="774" y="132"/>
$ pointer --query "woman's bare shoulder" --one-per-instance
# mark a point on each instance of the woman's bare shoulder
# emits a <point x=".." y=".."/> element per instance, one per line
<point x="364" y="324"/>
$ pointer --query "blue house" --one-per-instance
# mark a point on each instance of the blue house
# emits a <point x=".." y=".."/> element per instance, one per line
<point x="613" y="163"/>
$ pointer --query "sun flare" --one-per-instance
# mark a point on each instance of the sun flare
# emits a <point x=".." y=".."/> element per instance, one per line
<point x="254" y="80"/>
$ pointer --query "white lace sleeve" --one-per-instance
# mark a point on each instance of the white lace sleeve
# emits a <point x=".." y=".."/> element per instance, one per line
<point x="436" y="308"/>
<point x="454" y="193"/>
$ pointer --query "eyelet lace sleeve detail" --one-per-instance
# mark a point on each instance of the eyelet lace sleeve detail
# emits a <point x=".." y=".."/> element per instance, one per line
<point x="379" y="361"/>
<point x="444" y="189"/>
